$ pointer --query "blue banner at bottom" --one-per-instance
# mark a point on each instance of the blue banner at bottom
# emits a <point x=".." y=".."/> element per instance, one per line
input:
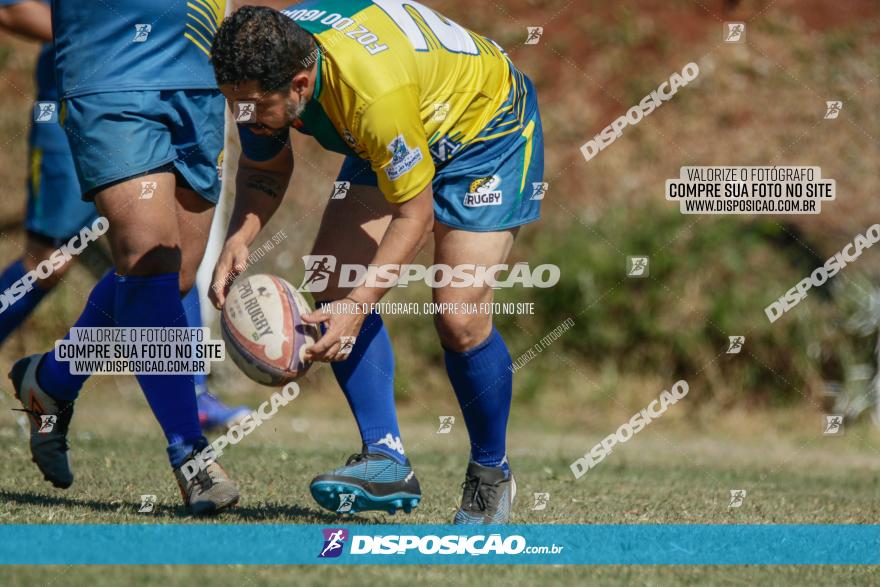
<point x="669" y="544"/>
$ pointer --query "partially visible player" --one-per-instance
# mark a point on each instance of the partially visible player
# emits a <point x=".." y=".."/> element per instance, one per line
<point x="55" y="209"/>
<point x="144" y="120"/>
<point x="367" y="80"/>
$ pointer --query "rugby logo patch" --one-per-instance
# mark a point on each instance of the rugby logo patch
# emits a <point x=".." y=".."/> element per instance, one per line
<point x="484" y="192"/>
<point x="403" y="159"/>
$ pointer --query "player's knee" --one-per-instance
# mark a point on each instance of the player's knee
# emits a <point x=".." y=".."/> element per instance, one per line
<point x="187" y="282"/>
<point x="460" y="332"/>
<point x="188" y="272"/>
<point x="139" y="260"/>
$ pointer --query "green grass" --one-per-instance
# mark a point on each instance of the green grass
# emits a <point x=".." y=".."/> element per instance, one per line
<point x="626" y="488"/>
<point x="672" y="472"/>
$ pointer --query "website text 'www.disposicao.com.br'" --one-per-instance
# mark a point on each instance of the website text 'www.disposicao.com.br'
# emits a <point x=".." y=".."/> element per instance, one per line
<point x="335" y="540"/>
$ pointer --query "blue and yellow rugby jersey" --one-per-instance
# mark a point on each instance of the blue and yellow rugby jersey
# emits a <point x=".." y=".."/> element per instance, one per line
<point x="404" y="87"/>
<point x="119" y="45"/>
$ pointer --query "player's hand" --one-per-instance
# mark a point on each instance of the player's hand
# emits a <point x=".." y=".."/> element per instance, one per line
<point x="232" y="262"/>
<point x="343" y="319"/>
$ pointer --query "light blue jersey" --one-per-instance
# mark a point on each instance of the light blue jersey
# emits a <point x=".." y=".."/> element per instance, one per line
<point x="122" y="45"/>
<point x="54" y="208"/>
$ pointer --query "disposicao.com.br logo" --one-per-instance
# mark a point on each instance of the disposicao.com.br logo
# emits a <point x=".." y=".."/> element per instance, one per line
<point x="430" y="544"/>
<point x="334" y="539"/>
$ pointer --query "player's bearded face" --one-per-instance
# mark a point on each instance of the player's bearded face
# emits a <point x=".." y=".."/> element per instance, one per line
<point x="277" y="111"/>
<point x="295" y="108"/>
<point x="274" y="111"/>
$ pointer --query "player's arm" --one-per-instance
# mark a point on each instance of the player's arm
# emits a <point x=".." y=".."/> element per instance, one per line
<point x="29" y="18"/>
<point x="411" y="222"/>
<point x="394" y="136"/>
<point x="264" y="170"/>
<point x="393" y="132"/>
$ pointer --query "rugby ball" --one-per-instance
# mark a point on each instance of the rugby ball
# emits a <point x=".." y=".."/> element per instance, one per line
<point x="264" y="331"/>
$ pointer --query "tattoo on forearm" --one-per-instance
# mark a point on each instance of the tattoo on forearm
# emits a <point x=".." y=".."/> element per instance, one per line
<point x="265" y="184"/>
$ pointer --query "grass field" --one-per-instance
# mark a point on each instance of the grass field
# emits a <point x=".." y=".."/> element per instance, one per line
<point x="402" y="577"/>
<point x="670" y="473"/>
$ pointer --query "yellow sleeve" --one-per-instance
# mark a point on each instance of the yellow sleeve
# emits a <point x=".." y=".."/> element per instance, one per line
<point x="391" y="130"/>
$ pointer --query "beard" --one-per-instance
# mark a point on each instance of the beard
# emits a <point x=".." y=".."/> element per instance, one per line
<point x="294" y="110"/>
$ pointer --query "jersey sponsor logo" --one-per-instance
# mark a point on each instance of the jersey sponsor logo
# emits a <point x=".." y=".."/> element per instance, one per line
<point x="403" y="159"/>
<point x="444" y="149"/>
<point x="484" y="192"/>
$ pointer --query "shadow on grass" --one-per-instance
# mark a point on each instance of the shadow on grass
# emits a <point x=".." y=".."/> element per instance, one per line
<point x="269" y="512"/>
<point x="278" y="512"/>
<point x="41" y="499"/>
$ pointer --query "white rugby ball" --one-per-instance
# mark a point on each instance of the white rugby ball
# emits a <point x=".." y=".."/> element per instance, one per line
<point x="263" y="329"/>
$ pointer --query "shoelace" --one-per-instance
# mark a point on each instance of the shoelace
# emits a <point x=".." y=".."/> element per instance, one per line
<point x="361" y="456"/>
<point x="481" y="495"/>
<point x="356" y="458"/>
<point x="203" y="479"/>
<point x="63" y="417"/>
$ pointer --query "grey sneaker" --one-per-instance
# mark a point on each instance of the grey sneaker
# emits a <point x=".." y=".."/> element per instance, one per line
<point x="210" y="490"/>
<point x="488" y="496"/>
<point x="49" y="418"/>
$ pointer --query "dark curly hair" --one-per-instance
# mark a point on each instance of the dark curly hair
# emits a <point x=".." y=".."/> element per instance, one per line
<point x="256" y="43"/>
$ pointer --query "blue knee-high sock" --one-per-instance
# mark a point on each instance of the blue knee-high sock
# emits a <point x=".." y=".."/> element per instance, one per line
<point x="483" y="384"/>
<point x="54" y="376"/>
<point x="14" y="314"/>
<point x="154" y="301"/>
<point x="367" y="380"/>
<point x="193" y="308"/>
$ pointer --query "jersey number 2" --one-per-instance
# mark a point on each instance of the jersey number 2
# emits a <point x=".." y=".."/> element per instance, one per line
<point x="416" y="20"/>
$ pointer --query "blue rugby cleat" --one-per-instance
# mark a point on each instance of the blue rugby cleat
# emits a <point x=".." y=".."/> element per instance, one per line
<point x="488" y="496"/>
<point x="213" y="413"/>
<point x="367" y="482"/>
